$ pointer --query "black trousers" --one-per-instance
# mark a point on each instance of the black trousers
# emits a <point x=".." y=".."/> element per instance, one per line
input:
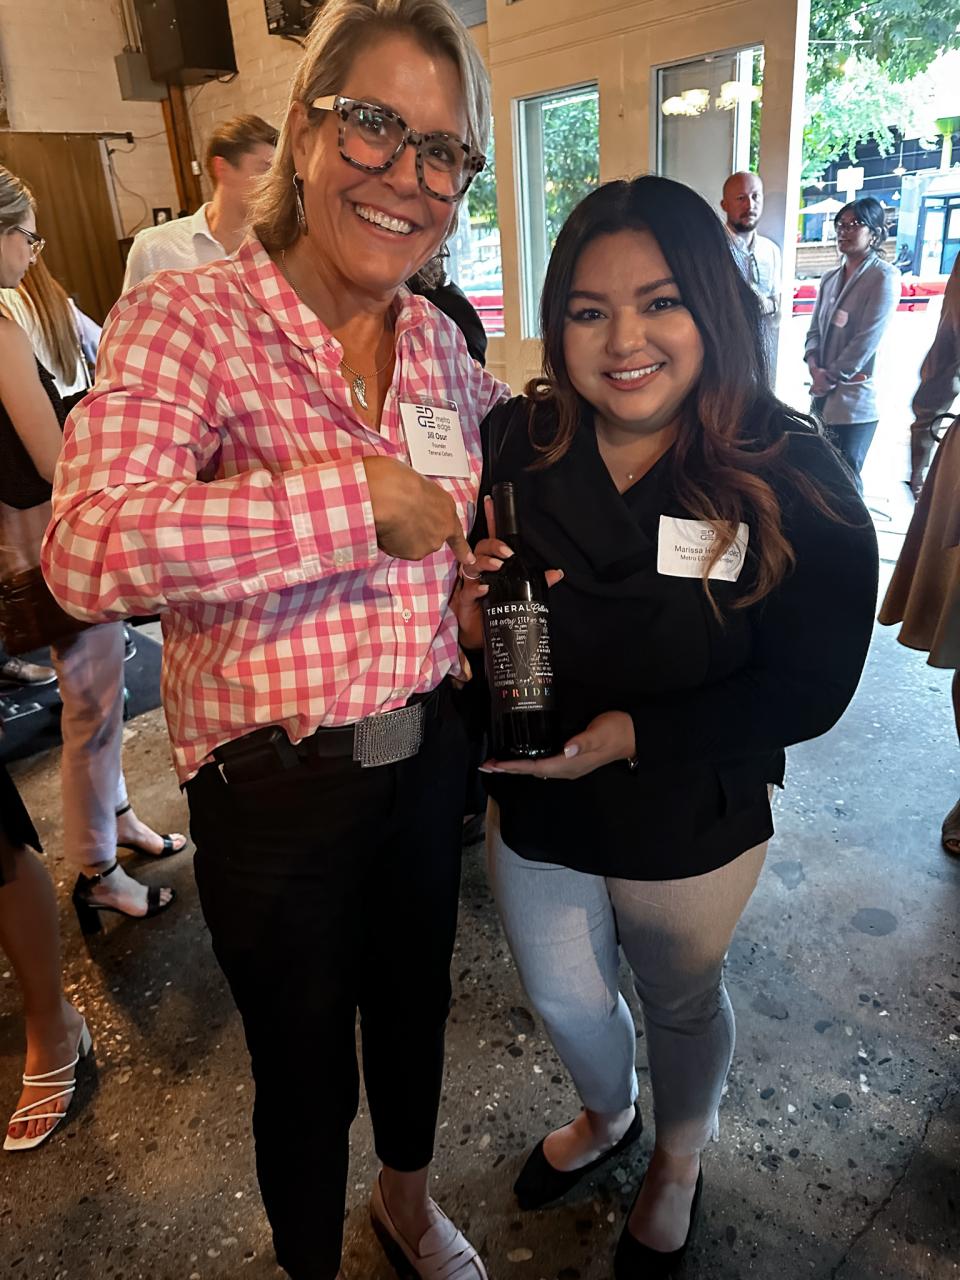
<point x="330" y="889"/>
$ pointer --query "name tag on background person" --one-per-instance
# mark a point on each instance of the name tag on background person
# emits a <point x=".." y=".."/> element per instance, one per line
<point x="840" y="318"/>
<point x="435" y="439"/>
<point x="684" y="546"/>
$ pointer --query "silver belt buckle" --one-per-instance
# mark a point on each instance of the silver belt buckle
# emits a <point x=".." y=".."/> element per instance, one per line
<point x="387" y="738"/>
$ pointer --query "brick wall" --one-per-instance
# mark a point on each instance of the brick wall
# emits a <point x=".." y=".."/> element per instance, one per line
<point x="266" y="65"/>
<point x="58" y="68"/>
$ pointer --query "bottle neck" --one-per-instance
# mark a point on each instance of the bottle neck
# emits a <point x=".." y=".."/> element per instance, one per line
<point x="505" y="513"/>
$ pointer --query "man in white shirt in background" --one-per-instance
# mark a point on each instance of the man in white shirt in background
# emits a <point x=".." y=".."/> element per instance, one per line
<point x="239" y="153"/>
<point x="758" y="256"/>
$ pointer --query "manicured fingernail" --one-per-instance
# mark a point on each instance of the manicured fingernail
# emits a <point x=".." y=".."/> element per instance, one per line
<point x="571" y="750"/>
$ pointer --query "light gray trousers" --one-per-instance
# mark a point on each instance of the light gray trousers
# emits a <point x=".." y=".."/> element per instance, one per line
<point x="89" y="669"/>
<point x="566" y="928"/>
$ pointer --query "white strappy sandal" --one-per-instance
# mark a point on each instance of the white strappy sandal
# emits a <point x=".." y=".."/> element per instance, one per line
<point x="444" y="1253"/>
<point x="65" y="1089"/>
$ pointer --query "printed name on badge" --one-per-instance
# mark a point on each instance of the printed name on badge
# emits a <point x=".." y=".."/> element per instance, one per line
<point x="435" y="439"/>
<point x="685" y="545"/>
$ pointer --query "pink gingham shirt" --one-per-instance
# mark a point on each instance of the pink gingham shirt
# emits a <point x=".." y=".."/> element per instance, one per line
<point x="215" y="474"/>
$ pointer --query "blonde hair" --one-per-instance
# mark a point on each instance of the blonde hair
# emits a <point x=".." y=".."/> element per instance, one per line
<point x="16" y="200"/>
<point x="341" y="30"/>
<point x="46" y="298"/>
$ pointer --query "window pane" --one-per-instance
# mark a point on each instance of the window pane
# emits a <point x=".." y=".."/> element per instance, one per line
<point x="708" y="115"/>
<point x="475" y="250"/>
<point x="559" y="151"/>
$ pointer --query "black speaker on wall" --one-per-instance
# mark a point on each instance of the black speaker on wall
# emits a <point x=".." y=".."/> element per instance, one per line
<point x="289" y="17"/>
<point x="187" y="41"/>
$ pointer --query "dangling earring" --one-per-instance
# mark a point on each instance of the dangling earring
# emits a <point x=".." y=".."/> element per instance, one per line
<point x="301" y="214"/>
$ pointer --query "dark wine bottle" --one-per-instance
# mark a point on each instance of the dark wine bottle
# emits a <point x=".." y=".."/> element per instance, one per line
<point x="516" y="640"/>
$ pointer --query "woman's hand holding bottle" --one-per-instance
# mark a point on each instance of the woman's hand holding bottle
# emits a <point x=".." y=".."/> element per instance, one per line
<point x="608" y="737"/>
<point x="490" y="553"/>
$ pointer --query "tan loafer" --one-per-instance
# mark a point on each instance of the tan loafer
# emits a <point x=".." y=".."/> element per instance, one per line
<point x="444" y="1253"/>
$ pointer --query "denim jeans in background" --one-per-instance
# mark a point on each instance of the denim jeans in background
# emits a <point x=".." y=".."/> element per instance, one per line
<point x="852" y="439"/>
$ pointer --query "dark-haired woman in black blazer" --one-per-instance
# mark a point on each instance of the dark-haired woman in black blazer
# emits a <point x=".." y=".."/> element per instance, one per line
<point x="719" y="586"/>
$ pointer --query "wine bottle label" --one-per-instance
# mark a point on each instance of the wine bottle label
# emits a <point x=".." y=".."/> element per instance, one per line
<point x="518" y="656"/>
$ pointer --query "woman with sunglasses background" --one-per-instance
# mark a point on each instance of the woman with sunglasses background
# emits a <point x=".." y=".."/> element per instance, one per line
<point x="924" y="592"/>
<point x="853" y="308"/>
<point x="261" y="461"/>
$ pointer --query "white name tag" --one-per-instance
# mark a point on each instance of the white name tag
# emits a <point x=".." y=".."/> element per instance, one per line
<point x="840" y="318"/>
<point x="435" y="439"/>
<point x="684" y="546"/>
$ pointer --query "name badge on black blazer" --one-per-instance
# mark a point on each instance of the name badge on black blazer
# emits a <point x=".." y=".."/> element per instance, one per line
<point x="684" y="546"/>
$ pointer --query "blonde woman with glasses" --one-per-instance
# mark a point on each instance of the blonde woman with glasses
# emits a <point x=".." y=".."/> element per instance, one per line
<point x="97" y="816"/>
<point x="64" y="340"/>
<point x="281" y="454"/>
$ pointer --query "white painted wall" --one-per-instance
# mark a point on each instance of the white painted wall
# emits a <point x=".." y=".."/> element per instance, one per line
<point x="60" y="77"/>
<point x="539" y="45"/>
<point x="266" y="65"/>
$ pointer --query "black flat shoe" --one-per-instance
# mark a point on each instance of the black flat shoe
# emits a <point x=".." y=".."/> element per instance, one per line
<point x="539" y="1182"/>
<point x="636" y="1261"/>
<point x="88" y="909"/>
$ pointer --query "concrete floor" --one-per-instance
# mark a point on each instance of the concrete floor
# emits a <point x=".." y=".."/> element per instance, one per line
<point x="838" y="1156"/>
<point x="841" y="1127"/>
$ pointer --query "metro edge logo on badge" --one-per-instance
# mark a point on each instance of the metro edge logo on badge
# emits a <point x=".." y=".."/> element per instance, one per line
<point x="684" y="547"/>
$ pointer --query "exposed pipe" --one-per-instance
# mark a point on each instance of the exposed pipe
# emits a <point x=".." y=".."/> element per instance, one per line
<point x="131" y="27"/>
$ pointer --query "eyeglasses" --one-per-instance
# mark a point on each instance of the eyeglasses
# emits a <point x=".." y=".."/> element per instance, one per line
<point x="848" y="223"/>
<point x="36" y="242"/>
<point x="372" y="138"/>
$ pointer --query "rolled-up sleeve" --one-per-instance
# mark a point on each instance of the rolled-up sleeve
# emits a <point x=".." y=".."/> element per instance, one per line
<point x="137" y="527"/>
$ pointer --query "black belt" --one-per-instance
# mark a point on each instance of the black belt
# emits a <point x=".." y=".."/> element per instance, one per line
<point x="383" y="738"/>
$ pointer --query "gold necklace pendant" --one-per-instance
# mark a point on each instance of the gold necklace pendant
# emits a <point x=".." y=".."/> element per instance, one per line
<point x="360" y="391"/>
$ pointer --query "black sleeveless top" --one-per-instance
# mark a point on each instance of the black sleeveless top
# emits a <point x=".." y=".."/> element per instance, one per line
<point x="21" y="485"/>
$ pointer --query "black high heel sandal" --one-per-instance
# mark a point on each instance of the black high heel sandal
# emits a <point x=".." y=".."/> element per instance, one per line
<point x="636" y="1261"/>
<point x="539" y="1183"/>
<point x="88" y="910"/>
<point x="168" y="850"/>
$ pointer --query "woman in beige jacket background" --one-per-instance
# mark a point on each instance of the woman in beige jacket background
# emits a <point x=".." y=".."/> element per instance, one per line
<point x="924" y="593"/>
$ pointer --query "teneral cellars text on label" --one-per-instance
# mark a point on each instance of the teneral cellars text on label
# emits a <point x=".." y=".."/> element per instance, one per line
<point x="518" y="639"/>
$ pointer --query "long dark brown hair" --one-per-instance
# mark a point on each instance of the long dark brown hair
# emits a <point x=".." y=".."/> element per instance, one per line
<point x="732" y="428"/>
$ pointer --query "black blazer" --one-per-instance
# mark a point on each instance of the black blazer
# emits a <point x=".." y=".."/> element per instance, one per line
<point x="714" y="702"/>
<point x="451" y="300"/>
